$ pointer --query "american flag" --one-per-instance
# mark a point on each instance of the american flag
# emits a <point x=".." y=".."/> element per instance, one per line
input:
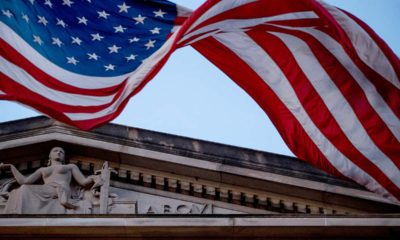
<point x="326" y="80"/>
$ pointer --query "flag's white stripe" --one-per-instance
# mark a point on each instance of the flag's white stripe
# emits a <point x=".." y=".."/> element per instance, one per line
<point x="232" y="25"/>
<point x="268" y="70"/>
<point x="374" y="98"/>
<point x="218" y="8"/>
<point x="202" y="36"/>
<point x="133" y="82"/>
<point x="338" y="105"/>
<point x="175" y="28"/>
<point x="2" y="93"/>
<point x="70" y="78"/>
<point x="22" y="77"/>
<point x="367" y="49"/>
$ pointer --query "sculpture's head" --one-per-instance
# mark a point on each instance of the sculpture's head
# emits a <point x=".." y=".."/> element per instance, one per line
<point x="57" y="155"/>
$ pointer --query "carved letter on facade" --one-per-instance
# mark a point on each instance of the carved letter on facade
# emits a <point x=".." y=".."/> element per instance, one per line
<point x="167" y="209"/>
<point x="151" y="210"/>
<point x="183" y="209"/>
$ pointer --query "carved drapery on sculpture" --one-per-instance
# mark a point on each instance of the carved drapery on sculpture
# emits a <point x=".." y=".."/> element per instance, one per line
<point x="59" y="194"/>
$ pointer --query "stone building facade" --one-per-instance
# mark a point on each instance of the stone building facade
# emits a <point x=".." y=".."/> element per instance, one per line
<point x="145" y="184"/>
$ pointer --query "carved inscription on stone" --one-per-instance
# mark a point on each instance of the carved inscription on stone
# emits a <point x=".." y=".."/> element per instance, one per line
<point x="179" y="209"/>
<point x="151" y="202"/>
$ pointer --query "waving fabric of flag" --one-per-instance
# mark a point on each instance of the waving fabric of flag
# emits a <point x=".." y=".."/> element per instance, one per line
<point x="80" y="61"/>
<point x="326" y="80"/>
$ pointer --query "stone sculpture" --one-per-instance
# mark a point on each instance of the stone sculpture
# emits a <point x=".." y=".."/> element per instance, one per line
<point x="54" y="196"/>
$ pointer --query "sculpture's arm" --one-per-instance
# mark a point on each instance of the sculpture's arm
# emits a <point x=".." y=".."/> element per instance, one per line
<point x="79" y="178"/>
<point x="21" y="179"/>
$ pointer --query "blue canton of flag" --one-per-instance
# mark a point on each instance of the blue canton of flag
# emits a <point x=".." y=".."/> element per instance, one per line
<point x="96" y="38"/>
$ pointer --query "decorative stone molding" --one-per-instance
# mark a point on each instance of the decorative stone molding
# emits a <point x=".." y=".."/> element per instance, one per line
<point x="215" y="191"/>
<point x="204" y="189"/>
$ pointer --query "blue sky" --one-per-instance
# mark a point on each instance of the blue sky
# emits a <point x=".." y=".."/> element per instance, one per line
<point x="191" y="97"/>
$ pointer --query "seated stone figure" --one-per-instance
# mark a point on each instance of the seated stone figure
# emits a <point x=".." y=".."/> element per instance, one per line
<point x="52" y="197"/>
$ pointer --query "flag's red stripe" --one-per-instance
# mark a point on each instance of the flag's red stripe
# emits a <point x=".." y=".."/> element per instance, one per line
<point x="355" y="96"/>
<point x="19" y="60"/>
<point x="23" y="94"/>
<point x="33" y="101"/>
<point x="316" y="108"/>
<point x="179" y="21"/>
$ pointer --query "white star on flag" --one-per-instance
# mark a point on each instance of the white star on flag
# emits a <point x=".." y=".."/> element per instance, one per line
<point x="150" y="44"/>
<point x="109" y="67"/>
<point x="61" y="23"/>
<point x="76" y="40"/>
<point x="48" y="3"/>
<point x="72" y="60"/>
<point x="67" y="3"/>
<point x="135" y="39"/>
<point x="159" y="13"/>
<point x="155" y="30"/>
<point x="7" y="13"/>
<point x="131" y="57"/>
<point x="82" y="20"/>
<point x="123" y="8"/>
<point x="37" y="40"/>
<point x="97" y="37"/>
<point x="57" y="41"/>
<point x="119" y="29"/>
<point x="139" y="19"/>
<point x="103" y="14"/>
<point x="42" y="20"/>
<point x="114" y="49"/>
<point x="25" y="17"/>
<point x="93" y="56"/>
